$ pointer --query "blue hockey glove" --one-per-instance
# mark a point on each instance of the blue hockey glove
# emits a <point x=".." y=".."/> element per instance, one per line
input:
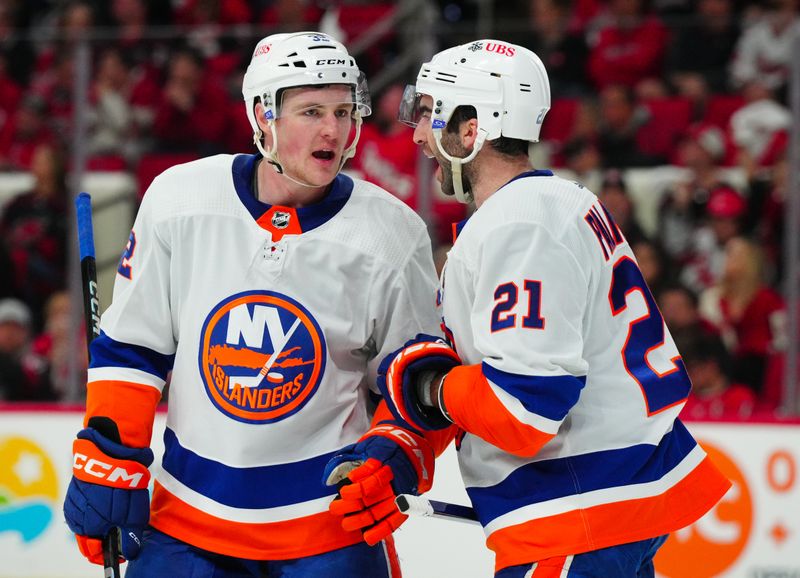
<point x="386" y="462"/>
<point x="108" y="489"/>
<point x="399" y="380"/>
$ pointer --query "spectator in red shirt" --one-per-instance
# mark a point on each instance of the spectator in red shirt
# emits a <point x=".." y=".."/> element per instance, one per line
<point x="630" y="48"/>
<point x="750" y="315"/>
<point x="705" y="264"/>
<point x="713" y="394"/>
<point x="190" y="116"/>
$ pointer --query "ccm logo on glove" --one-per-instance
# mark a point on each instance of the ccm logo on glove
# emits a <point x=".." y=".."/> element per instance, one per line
<point x="88" y="465"/>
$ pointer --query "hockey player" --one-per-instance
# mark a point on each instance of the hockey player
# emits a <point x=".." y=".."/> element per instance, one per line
<point x="570" y="384"/>
<point x="270" y="285"/>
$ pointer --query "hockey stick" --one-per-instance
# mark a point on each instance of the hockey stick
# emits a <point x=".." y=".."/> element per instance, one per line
<point x="418" y="506"/>
<point x="91" y="313"/>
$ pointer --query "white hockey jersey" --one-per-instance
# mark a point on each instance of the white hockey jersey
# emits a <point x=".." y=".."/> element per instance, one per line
<point x="272" y="321"/>
<point x="571" y="386"/>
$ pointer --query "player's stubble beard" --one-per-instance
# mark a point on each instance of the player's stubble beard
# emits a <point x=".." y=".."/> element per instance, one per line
<point x="452" y="144"/>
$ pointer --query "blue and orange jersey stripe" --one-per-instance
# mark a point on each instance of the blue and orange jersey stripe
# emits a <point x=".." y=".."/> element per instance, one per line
<point x="279" y="540"/>
<point x="604" y="525"/>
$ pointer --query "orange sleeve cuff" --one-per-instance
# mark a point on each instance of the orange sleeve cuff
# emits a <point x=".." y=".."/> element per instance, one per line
<point x="473" y="406"/>
<point x="132" y="406"/>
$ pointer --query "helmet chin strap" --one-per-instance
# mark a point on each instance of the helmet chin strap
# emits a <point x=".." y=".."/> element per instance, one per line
<point x="456" y="163"/>
<point x="271" y="154"/>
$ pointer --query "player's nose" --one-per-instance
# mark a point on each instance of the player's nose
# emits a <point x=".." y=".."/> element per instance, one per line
<point x="330" y="125"/>
<point x="420" y="136"/>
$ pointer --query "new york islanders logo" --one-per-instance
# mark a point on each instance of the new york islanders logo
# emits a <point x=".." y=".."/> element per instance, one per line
<point x="262" y="356"/>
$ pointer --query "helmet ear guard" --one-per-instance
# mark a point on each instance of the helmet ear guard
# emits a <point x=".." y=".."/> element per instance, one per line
<point x="505" y="83"/>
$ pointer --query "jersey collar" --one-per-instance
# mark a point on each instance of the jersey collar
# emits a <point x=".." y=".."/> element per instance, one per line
<point x="280" y="220"/>
<point x="533" y="173"/>
<point x="457" y="227"/>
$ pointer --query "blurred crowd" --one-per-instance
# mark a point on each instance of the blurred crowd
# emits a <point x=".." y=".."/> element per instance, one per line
<point x="697" y="84"/>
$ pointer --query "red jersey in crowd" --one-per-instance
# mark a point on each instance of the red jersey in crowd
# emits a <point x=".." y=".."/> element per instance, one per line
<point x="734" y="402"/>
<point x="627" y="55"/>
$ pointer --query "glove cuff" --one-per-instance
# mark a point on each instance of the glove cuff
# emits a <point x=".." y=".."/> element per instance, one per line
<point x="116" y="450"/>
<point x="402" y="377"/>
<point x="416" y="448"/>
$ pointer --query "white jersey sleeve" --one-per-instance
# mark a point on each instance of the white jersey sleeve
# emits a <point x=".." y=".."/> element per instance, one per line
<point x="135" y="351"/>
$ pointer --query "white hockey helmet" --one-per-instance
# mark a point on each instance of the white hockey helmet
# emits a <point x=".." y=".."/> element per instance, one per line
<point x="299" y="59"/>
<point x="507" y="84"/>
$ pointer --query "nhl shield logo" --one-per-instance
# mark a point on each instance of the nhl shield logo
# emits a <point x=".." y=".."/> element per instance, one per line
<point x="280" y="220"/>
<point x="262" y="356"/>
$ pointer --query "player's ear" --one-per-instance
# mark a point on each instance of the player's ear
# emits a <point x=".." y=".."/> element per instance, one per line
<point x="261" y="119"/>
<point x="469" y="132"/>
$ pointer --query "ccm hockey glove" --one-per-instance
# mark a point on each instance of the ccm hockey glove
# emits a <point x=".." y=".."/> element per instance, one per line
<point x="385" y="462"/>
<point x="405" y="376"/>
<point x="108" y="489"/>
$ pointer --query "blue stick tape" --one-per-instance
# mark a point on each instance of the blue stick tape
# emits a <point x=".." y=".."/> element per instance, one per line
<point x="83" y="208"/>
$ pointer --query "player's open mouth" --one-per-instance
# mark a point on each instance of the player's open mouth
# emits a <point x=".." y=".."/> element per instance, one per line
<point x="323" y="155"/>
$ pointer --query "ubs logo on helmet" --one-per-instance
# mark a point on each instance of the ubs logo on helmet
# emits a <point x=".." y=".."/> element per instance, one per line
<point x="500" y="48"/>
<point x="262" y="356"/>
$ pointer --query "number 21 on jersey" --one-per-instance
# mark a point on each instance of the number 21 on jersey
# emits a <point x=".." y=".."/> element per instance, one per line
<point x="506" y="297"/>
<point x="646" y="333"/>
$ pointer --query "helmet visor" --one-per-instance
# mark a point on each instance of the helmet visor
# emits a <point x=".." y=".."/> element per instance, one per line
<point x="358" y="98"/>
<point x="361" y="96"/>
<point x="412" y="110"/>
